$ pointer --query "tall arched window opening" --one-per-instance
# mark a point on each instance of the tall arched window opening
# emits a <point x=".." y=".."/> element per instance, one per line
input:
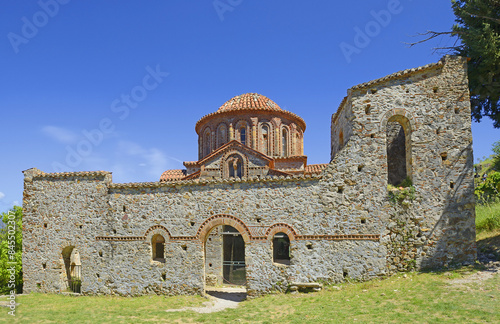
<point x="284" y="142"/>
<point x="341" y="139"/>
<point x="398" y="150"/>
<point x="281" y="248"/>
<point x="221" y="135"/>
<point x="158" y="245"/>
<point x="243" y="136"/>
<point x="265" y="140"/>
<point x="207" y="143"/>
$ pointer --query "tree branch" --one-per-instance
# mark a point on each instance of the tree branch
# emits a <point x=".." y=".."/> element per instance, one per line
<point x="430" y="35"/>
<point x="484" y="17"/>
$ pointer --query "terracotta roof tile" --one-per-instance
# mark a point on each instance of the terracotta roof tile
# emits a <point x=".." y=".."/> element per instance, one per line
<point x="249" y="101"/>
<point x="315" y="168"/>
<point x="171" y="175"/>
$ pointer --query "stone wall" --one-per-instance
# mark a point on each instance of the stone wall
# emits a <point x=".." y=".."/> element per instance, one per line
<point x="340" y="223"/>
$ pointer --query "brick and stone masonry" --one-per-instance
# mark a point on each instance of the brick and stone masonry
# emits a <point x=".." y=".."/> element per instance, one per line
<point x="151" y="238"/>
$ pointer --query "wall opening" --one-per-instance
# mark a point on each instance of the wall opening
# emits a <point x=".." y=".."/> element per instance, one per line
<point x="72" y="269"/>
<point x="265" y="140"/>
<point x="158" y="248"/>
<point x="243" y="136"/>
<point x="225" y="257"/>
<point x="281" y="248"/>
<point x="284" y="142"/>
<point x="398" y="150"/>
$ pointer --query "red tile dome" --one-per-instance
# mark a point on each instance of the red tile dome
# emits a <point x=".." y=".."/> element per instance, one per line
<point x="249" y="101"/>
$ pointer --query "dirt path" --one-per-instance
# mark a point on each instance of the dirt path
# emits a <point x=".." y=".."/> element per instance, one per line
<point x="219" y="299"/>
<point x="492" y="268"/>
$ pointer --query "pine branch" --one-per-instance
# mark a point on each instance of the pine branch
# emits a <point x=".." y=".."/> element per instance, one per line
<point x="483" y="17"/>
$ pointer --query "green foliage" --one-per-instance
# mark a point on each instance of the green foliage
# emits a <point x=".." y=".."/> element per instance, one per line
<point x="404" y="193"/>
<point x="11" y="251"/>
<point x="487" y="191"/>
<point x="406" y="183"/>
<point x="496" y="156"/>
<point x="488" y="217"/>
<point x="401" y="195"/>
<point x="478" y="28"/>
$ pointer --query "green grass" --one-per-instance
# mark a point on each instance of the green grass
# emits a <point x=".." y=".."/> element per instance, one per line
<point x="487" y="217"/>
<point x="418" y="298"/>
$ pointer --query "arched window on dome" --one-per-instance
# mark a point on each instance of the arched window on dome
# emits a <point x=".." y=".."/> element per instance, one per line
<point x="207" y="143"/>
<point x="265" y="139"/>
<point x="221" y="135"/>
<point x="284" y="142"/>
<point x="243" y="136"/>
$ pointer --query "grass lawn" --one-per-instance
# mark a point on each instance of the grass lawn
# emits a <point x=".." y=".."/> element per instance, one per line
<point x="418" y="298"/>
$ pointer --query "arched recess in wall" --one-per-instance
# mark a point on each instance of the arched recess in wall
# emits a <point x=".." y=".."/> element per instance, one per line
<point x="299" y="148"/>
<point x="158" y="248"/>
<point x="157" y="236"/>
<point x="207" y="141"/>
<point x="398" y="132"/>
<point x="223" y="219"/>
<point x="241" y="131"/>
<point x="234" y="165"/>
<point x="284" y="141"/>
<point x="265" y="142"/>
<point x="221" y="135"/>
<point x="341" y="139"/>
<point x="281" y="227"/>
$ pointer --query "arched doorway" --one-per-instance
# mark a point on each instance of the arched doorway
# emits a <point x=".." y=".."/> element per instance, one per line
<point x="72" y="278"/>
<point x="224" y="249"/>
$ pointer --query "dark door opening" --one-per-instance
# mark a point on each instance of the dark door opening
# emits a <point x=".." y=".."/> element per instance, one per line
<point x="233" y="264"/>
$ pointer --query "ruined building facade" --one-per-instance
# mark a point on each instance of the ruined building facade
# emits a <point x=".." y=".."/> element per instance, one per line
<point x="397" y="195"/>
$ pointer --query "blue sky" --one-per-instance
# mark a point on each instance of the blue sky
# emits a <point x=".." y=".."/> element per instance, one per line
<point x="132" y="77"/>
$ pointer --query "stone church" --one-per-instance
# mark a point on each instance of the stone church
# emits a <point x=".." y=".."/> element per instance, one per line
<point x="397" y="195"/>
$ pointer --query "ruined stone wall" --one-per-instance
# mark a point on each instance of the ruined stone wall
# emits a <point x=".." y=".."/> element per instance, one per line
<point x="341" y="129"/>
<point x="432" y="104"/>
